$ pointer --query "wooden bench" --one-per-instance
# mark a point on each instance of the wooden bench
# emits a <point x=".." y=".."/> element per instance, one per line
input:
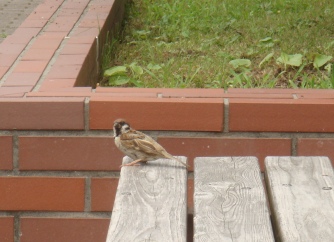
<point x="301" y="195"/>
<point x="229" y="200"/>
<point x="150" y="203"/>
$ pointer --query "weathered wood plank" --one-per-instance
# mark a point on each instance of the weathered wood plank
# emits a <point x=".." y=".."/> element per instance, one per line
<point x="230" y="203"/>
<point x="150" y="203"/>
<point x="301" y="193"/>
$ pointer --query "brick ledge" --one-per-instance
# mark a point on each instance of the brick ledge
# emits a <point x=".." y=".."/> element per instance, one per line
<point x="49" y="62"/>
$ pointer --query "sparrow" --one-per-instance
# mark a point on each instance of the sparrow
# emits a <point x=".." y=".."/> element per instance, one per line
<point x="137" y="145"/>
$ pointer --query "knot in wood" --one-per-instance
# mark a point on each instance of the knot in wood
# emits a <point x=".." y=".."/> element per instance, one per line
<point x="326" y="188"/>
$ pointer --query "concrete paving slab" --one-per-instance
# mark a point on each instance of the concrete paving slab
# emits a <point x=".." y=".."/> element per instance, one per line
<point x="13" y="13"/>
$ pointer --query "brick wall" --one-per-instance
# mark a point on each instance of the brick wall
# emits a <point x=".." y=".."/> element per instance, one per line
<point x="59" y="167"/>
<point x="59" y="183"/>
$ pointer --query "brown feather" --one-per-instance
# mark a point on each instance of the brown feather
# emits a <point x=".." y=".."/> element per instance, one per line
<point x="139" y="146"/>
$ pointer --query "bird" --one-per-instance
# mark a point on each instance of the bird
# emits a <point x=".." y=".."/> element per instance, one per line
<point x="137" y="145"/>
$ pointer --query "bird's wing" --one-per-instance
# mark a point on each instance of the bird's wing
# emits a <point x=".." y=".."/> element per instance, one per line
<point x="131" y="135"/>
<point x="146" y="145"/>
<point x="142" y="143"/>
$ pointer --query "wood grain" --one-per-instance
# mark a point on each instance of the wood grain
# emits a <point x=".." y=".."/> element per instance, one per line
<point x="301" y="193"/>
<point x="150" y="203"/>
<point x="230" y="203"/>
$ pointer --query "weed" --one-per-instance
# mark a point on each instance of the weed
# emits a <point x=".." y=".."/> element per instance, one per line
<point x="3" y="35"/>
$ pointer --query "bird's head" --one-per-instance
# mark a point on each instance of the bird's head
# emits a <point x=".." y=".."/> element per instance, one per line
<point x="120" y="127"/>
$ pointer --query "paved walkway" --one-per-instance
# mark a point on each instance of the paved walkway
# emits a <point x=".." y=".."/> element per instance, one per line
<point x="13" y="13"/>
<point x="55" y="46"/>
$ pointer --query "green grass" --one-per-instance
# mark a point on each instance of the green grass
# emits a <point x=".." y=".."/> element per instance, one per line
<point x="221" y="44"/>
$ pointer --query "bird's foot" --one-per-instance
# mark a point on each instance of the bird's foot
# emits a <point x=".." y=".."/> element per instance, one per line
<point x="129" y="165"/>
<point x="133" y="163"/>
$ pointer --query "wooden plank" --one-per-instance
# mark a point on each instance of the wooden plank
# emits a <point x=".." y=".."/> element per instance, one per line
<point x="150" y="203"/>
<point x="301" y="193"/>
<point x="230" y="202"/>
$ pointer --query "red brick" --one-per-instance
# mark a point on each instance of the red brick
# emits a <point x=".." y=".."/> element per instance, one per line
<point x="76" y="49"/>
<point x="11" y="49"/>
<point x="64" y="72"/>
<point x="103" y="3"/>
<point x="7" y="229"/>
<point x="75" y="4"/>
<point x="63" y="23"/>
<point x="34" y="23"/>
<point x="312" y="91"/>
<point x="38" y="54"/>
<point x="64" y="59"/>
<point x="308" y="115"/>
<point x="44" y="11"/>
<point x="91" y="23"/>
<point x="12" y="91"/>
<point x="7" y="60"/>
<point x="85" y="32"/>
<point x="99" y="15"/>
<point x="22" y="79"/>
<point x="316" y="147"/>
<point x="210" y="147"/>
<point x="51" y="5"/>
<point x="13" y="38"/>
<point x="53" y="84"/>
<point x="37" y="14"/>
<point x="126" y="94"/>
<point x="31" y="66"/>
<point x="204" y="114"/>
<point x="192" y="93"/>
<point x="24" y="35"/>
<point x="6" y="153"/>
<point x="69" y="153"/>
<point x="103" y="191"/>
<point x="316" y="95"/>
<point x="64" y="229"/>
<point x="45" y="42"/>
<point x="60" y="36"/>
<point x="98" y="7"/>
<point x="42" y="194"/>
<point x="69" y="12"/>
<point x="3" y="70"/>
<point x="210" y="93"/>
<point x="260" y="95"/>
<point x="82" y="40"/>
<point x="131" y="90"/>
<point x="42" y="113"/>
<point x="62" y="92"/>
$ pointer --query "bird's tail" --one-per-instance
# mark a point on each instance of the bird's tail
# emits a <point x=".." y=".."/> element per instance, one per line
<point x="186" y="165"/>
<point x="169" y="156"/>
